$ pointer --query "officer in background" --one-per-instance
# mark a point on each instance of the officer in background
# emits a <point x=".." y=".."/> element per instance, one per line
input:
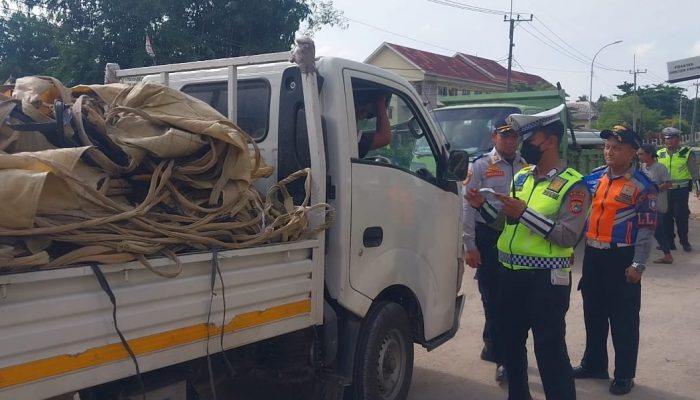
<point x="683" y="167"/>
<point x="494" y="170"/>
<point x="543" y="222"/>
<point x="618" y="242"/>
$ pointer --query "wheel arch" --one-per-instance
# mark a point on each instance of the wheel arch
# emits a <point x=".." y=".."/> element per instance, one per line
<point x="405" y="297"/>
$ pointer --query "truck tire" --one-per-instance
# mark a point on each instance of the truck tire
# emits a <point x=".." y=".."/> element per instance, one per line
<point x="384" y="358"/>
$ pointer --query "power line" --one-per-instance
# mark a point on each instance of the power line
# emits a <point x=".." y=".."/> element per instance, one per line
<point x="560" y="48"/>
<point x="519" y="65"/>
<point x="552" y="47"/>
<point x="585" y="57"/>
<point x="560" y="38"/>
<point x="401" y="35"/>
<point x="468" y="7"/>
<point x="555" y="70"/>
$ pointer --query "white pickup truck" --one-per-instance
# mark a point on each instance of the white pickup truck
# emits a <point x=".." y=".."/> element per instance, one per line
<point x="345" y="306"/>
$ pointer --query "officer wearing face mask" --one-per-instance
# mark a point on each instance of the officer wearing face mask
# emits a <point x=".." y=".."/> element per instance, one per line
<point x="544" y="219"/>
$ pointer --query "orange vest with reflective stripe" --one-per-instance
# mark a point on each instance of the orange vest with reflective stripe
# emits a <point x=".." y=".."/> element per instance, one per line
<point x="614" y="217"/>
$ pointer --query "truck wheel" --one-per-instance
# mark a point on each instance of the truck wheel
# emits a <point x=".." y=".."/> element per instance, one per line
<point x="384" y="359"/>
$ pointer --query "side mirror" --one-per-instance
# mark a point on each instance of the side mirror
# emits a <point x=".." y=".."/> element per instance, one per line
<point x="414" y="127"/>
<point x="457" y="166"/>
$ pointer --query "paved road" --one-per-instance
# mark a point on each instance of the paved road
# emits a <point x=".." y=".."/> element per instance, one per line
<point x="669" y="356"/>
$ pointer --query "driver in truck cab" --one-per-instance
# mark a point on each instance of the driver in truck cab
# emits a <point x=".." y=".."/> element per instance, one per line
<point x="368" y="105"/>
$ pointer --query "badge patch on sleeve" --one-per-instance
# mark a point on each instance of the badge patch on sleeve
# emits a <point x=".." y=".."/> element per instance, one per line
<point x="520" y="181"/>
<point x="576" y="199"/>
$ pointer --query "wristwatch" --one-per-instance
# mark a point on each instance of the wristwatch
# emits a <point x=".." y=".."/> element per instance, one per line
<point x="639" y="267"/>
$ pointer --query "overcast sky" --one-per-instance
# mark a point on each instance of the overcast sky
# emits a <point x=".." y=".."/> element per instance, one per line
<point x="656" y="31"/>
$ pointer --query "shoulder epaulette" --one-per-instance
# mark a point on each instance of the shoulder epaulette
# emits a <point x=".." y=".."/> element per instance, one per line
<point x="479" y="157"/>
<point x="642" y="177"/>
<point x="598" y="169"/>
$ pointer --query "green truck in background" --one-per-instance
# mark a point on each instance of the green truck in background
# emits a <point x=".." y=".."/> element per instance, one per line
<point x="468" y="121"/>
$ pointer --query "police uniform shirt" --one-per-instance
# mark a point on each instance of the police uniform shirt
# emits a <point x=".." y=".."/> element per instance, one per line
<point x="492" y="171"/>
<point x="623" y="212"/>
<point x="563" y="229"/>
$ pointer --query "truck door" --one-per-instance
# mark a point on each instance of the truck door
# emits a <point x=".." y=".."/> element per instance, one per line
<point x="405" y="218"/>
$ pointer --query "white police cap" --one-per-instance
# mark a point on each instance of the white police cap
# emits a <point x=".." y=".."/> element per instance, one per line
<point x="670" y="131"/>
<point x="526" y="125"/>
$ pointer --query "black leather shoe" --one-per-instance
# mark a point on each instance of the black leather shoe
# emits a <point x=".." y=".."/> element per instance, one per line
<point x="582" y="372"/>
<point x="687" y="247"/>
<point x="619" y="387"/>
<point x="487" y="353"/>
<point x="501" y="374"/>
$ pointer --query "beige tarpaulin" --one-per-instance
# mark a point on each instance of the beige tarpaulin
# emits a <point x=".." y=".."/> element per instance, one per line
<point x="124" y="172"/>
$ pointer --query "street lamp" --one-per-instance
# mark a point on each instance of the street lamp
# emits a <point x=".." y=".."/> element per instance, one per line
<point x="590" y="92"/>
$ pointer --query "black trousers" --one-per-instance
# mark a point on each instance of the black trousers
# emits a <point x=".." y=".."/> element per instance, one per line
<point x="660" y="233"/>
<point x="609" y="301"/>
<point x="487" y="277"/>
<point x="528" y="300"/>
<point x="677" y="210"/>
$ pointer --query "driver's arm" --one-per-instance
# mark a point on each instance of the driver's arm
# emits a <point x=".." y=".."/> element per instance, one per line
<point x="382" y="136"/>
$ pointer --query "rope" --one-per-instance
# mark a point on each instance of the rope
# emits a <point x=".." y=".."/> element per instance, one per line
<point x="147" y="206"/>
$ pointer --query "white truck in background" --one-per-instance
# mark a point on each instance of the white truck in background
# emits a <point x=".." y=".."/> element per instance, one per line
<point x="345" y="307"/>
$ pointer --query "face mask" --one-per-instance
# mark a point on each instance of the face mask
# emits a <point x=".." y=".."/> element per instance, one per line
<point x="531" y="153"/>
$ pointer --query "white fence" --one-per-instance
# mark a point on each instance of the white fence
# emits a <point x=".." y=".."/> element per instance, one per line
<point x="690" y="139"/>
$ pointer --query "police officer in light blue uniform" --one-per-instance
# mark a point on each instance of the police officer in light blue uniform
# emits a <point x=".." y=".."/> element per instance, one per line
<point x="494" y="170"/>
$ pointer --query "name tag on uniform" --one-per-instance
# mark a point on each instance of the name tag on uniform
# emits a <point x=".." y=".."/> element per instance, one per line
<point x="555" y="186"/>
<point x="494" y="170"/>
<point x="626" y="194"/>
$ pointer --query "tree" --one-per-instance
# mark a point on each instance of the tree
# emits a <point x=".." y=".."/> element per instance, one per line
<point x="660" y="97"/>
<point x="620" y="112"/>
<point x="25" y="45"/>
<point x="89" y="33"/>
<point x="583" y="97"/>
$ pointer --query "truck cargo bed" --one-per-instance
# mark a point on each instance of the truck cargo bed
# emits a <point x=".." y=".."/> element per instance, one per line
<point x="57" y="333"/>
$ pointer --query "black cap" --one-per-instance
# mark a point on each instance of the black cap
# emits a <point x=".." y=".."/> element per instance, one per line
<point x="503" y="128"/>
<point x="623" y="135"/>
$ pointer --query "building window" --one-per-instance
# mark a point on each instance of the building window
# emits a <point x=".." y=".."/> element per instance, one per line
<point x="466" y="92"/>
<point x="478" y="92"/>
<point x="453" y="92"/>
<point x="442" y="90"/>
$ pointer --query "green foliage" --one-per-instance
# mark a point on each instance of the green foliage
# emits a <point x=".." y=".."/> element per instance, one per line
<point x="620" y="112"/>
<point x="88" y="33"/>
<point x="660" y="97"/>
<point x="25" y="45"/>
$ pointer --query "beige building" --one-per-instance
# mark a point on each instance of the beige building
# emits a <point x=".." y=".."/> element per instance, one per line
<point x="435" y="75"/>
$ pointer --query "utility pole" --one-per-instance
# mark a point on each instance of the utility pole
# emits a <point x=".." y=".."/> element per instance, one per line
<point x="680" y="111"/>
<point x="695" y="111"/>
<point x="634" y="72"/>
<point x="512" y="22"/>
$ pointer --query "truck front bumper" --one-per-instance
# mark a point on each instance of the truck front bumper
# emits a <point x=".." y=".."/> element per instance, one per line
<point x="459" y="307"/>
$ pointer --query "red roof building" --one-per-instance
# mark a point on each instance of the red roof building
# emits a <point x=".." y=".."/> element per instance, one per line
<point x="436" y="75"/>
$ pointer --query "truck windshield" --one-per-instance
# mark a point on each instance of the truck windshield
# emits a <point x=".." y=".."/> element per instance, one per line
<point x="470" y="128"/>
